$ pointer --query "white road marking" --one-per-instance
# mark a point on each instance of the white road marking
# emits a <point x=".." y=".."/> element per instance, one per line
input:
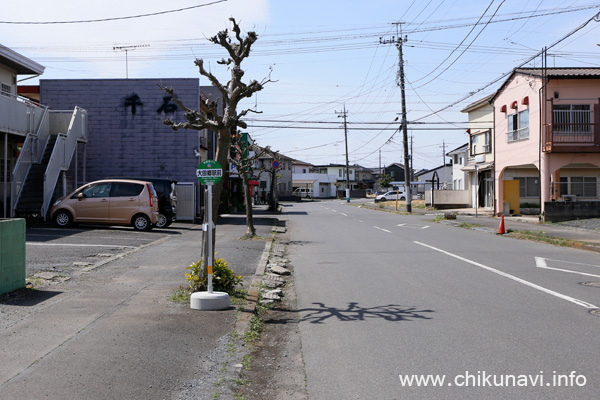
<point x="514" y="278"/>
<point x="541" y="263"/>
<point x="414" y="226"/>
<point x="343" y="214"/>
<point x="80" y="245"/>
<point x="381" y="229"/>
<point x="97" y="237"/>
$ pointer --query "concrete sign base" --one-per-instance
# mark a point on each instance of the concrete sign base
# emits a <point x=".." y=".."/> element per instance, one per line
<point x="209" y="301"/>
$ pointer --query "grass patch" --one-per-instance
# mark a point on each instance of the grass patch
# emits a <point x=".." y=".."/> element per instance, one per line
<point x="180" y="295"/>
<point x="255" y="237"/>
<point x="538" y="236"/>
<point x="238" y="297"/>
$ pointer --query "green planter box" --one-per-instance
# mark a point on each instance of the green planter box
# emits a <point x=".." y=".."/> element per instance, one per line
<point x="12" y="255"/>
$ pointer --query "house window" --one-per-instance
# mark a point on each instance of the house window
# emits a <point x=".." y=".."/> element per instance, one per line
<point x="518" y="126"/>
<point x="480" y="143"/>
<point x="582" y="186"/>
<point x="571" y="119"/>
<point x="5" y="89"/>
<point x="529" y="186"/>
<point x="340" y="172"/>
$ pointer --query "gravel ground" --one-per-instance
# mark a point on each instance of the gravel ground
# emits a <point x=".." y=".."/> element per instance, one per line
<point x="592" y="224"/>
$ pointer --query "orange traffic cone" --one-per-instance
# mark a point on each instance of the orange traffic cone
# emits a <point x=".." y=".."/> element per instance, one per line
<point x="501" y="230"/>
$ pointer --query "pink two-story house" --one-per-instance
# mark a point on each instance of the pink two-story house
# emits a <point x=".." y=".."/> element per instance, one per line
<point x="547" y="136"/>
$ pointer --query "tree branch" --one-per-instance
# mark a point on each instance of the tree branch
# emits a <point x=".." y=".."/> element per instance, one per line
<point x="213" y="79"/>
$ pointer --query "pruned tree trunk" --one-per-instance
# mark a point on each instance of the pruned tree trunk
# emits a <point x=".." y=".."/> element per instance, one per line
<point x="250" y="229"/>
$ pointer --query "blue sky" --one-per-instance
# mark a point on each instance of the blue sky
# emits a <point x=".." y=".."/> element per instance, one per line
<point x="322" y="56"/>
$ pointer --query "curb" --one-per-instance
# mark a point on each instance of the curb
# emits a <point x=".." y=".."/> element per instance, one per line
<point x="243" y="321"/>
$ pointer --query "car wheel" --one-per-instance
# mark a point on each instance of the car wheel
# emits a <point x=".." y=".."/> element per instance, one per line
<point x="163" y="221"/>
<point x="402" y="198"/>
<point x="141" y="223"/>
<point x="63" y="218"/>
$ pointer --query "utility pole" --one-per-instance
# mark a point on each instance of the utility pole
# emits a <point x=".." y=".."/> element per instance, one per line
<point x="403" y="124"/>
<point x="344" y="114"/>
<point x="412" y="171"/>
<point x="444" y="159"/>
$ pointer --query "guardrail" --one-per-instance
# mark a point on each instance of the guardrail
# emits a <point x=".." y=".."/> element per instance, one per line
<point x="63" y="151"/>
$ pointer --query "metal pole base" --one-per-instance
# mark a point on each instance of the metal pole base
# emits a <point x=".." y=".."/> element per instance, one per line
<point x="209" y="301"/>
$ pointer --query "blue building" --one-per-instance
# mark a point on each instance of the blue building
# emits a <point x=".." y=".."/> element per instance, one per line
<point x="126" y="136"/>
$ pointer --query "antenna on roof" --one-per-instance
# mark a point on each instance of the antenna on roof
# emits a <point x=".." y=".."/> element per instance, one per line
<point x="126" y="49"/>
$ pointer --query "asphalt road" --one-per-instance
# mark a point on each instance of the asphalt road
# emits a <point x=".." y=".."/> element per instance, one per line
<point x="385" y="298"/>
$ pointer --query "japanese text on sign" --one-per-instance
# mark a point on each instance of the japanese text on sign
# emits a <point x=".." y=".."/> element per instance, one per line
<point x="209" y="173"/>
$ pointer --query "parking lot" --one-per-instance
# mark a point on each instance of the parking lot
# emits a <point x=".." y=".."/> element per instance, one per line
<point x="65" y="252"/>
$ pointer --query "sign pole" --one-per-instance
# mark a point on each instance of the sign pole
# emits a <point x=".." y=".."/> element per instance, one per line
<point x="210" y="235"/>
<point x="209" y="172"/>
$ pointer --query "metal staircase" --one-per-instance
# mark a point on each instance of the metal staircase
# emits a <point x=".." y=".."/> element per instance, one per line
<point x="33" y="193"/>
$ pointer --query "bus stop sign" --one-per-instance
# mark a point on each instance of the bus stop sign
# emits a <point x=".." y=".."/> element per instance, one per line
<point x="209" y="172"/>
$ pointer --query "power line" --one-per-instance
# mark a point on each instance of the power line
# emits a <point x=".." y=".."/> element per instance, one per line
<point x="110" y="19"/>
<point x="596" y="18"/>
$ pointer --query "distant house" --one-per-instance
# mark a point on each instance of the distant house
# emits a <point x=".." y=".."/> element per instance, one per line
<point x="395" y="171"/>
<point x="339" y="171"/>
<point x="282" y="175"/>
<point x="307" y="181"/>
<point x="443" y="175"/>
<point x="301" y="167"/>
<point x="460" y="178"/>
<point x="480" y="164"/>
<point x="364" y="177"/>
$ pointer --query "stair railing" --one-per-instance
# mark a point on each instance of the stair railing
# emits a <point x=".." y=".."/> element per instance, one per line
<point x="62" y="154"/>
<point x="31" y="152"/>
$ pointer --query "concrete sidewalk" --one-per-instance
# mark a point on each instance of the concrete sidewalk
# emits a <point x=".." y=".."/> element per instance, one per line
<point x="112" y="333"/>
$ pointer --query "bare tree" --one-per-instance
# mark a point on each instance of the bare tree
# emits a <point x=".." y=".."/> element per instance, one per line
<point x="244" y="162"/>
<point x="227" y="124"/>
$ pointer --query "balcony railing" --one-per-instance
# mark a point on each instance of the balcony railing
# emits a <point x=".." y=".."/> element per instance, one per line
<point x="563" y="137"/>
<point x="19" y="115"/>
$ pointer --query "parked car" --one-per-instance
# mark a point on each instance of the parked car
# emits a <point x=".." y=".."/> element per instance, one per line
<point x="390" y="196"/>
<point x="303" y="192"/>
<point x="109" y="202"/>
<point x="167" y="199"/>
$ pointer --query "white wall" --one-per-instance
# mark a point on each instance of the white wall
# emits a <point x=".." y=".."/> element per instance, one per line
<point x="319" y="179"/>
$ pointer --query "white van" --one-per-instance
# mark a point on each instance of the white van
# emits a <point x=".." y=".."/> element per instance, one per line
<point x="303" y="192"/>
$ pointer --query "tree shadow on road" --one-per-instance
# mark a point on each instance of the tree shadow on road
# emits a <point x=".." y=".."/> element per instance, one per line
<point x="354" y="312"/>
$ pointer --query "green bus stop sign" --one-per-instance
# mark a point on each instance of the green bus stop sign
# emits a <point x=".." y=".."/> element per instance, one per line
<point x="209" y="172"/>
